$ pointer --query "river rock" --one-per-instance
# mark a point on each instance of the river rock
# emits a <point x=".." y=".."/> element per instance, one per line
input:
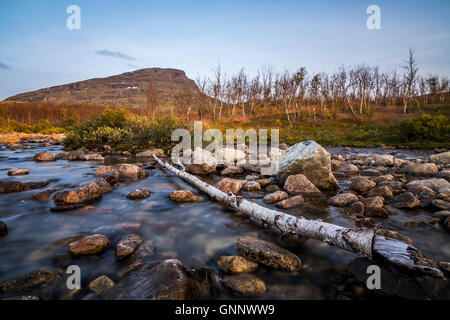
<point x="166" y="280"/>
<point x="383" y="191"/>
<point x="348" y="168"/>
<point x="275" y="197"/>
<point x="127" y="245"/>
<point x="45" y="156"/>
<point x="3" y="229"/>
<point x="362" y="184"/>
<point x="371" y="172"/>
<point x="183" y="196"/>
<point x="84" y="194"/>
<point x="236" y="264"/>
<point x="232" y="170"/>
<point x="373" y="207"/>
<point x="101" y="284"/>
<point x="384" y="160"/>
<point x="139" y="194"/>
<point x="265" y="181"/>
<point x="125" y="171"/>
<point x="443" y="193"/>
<point x="268" y="254"/>
<point x="442" y="158"/>
<point x="230" y="185"/>
<point x="354" y="209"/>
<point x="406" y="200"/>
<point x="247" y="285"/>
<point x="149" y="153"/>
<point x="299" y="184"/>
<point x="433" y="183"/>
<point x="82" y="155"/>
<point x="291" y="202"/>
<point x="271" y="188"/>
<point x="200" y="169"/>
<point x="44" y="196"/>
<point x="342" y="199"/>
<point x="10" y="186"/>
<point x="18" y="172"/>
<point x="424" y="169"/>
<point x="441" y="204"/>
<point x="383" y="178"/>
<point x="445" y="174"/>
<point x="89" y="245"/>
<point x="251" y="186"/>
<point x="31" y="281"/>
<point x="310" y="159"/>
<point x="442" y="215"/>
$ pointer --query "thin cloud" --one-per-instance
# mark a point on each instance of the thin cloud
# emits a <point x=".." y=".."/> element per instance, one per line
<point x="133" y="66"/>
<point x="114" y="54"/>
<point x="4" y="66"/>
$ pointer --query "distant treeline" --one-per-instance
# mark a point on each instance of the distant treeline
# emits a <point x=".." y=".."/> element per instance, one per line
<point x="56" y="114"/>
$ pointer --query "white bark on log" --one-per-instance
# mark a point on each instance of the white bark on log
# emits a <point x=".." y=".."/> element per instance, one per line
<point x="360" y="241"/>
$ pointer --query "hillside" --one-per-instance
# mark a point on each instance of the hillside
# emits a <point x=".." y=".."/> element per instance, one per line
<point x="128" y="89"/>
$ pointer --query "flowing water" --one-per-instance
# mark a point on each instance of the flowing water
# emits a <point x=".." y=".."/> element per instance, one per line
<point x="195" y="233"/>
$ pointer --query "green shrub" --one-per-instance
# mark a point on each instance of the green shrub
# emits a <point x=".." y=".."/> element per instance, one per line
<point x="120" y="130"/>
<point x="425" y="127"/>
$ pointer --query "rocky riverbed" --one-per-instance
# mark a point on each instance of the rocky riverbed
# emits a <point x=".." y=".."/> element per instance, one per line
<point x="138" y="232"/>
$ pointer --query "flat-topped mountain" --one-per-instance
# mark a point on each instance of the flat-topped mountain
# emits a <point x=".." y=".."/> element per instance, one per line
<point x="127" y="89"/>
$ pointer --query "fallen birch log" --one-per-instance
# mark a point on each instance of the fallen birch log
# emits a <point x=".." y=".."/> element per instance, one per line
<point x="364" y="242"/>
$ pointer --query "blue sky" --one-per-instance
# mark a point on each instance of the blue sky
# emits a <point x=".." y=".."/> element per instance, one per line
<point x="37" y="50"/>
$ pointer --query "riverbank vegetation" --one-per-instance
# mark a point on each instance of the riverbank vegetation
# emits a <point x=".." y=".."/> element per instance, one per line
<point x="356" y="106"/>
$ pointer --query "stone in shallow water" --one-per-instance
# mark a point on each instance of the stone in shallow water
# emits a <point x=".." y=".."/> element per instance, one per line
<point x="45" y="156"/>
<point x="291" y="202"/>
<point x="443" y="158"/>
<point x="251" y="186"/>
<point x="230" y="185"/>
<point x="268" y="254"/>
<point x="84" y="194"/>
<point x="354" y="209"/>
<point x="127" y="245"/>
<point x="101" y="284"/>
<point x="18" y="172"/>
<point x="166" y="280"/>
<point x="271" y="188"/>
<point x="383" y="191"/>
<point x="434" y="183"/>
<point x="139" y="194"/>
<point x="275" y="197"/>
<point x="89" y="245"/>
<point x="183" y="196"/>
<point x="3" y="229"/>
<point x="236" y="264"/>
<point x="441" y="204"/>
<point x="299" y="184"/>
<point x="342" y="200"/>
<point x="31" y="281"/>
<point x="362" y="184"/>
<point x="310" y="159"/>
<point x="406" y="200"/>
<point x="125" y="171"/>
<point x="232" y="170"/>
<point x="244" y="285"/>
<point x="10" y="186"/>
<point x="44" y="196"/>
<point x="149" y="153"/>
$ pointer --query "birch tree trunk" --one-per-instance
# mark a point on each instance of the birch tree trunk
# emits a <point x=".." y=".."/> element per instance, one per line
<point x="364" y="242"/>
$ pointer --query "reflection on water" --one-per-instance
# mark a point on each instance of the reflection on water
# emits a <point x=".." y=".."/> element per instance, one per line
<point x="194" y="233"/>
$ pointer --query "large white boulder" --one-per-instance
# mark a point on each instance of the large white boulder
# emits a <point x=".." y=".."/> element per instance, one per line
<point x="311" y="160"/>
